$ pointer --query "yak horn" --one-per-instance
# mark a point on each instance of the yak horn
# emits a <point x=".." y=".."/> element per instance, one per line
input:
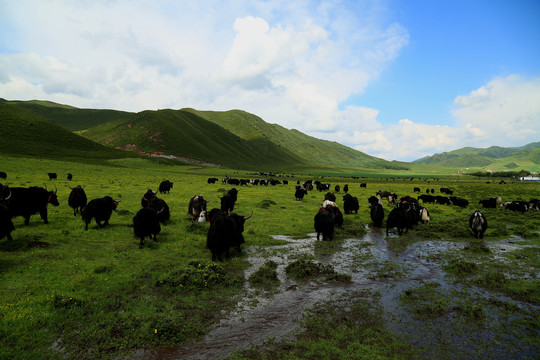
<point x="8" y="195"/>
<point x="250" y="215"/>
<point x="70" y="187"/>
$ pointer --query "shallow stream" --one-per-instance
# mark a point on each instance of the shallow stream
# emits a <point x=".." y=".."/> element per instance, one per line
<point x="259" y="317"/>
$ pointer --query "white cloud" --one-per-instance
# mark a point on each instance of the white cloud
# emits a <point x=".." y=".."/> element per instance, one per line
<point x="505" y="111"/>
<point x="291" y="63"/>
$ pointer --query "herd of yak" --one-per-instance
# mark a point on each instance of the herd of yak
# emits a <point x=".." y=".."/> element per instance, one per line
<point x="225" y="231"/>
<point x="226" y="228"/>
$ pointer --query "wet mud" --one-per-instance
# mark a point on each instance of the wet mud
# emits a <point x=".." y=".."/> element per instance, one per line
<point x="374" y="268"/>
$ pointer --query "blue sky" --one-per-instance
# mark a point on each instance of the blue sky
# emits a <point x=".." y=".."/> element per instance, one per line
<point x="397" y="79"/>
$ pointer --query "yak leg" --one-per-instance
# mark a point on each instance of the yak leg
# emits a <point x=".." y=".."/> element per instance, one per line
<point x="43" y="214"/>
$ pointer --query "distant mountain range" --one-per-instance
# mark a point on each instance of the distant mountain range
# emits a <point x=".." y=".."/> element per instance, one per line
<point x="234" y="139"/>
<point x="499" y="158"/>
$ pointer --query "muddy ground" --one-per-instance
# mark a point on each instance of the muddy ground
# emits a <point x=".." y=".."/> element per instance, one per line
<point x="438" y="315"/>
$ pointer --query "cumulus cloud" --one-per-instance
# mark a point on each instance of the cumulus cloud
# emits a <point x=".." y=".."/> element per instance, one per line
<point x="147" y="55"/>
<point x="291" y="63"/>
<point x="503" y="112"/>
<point x="506" y="109"/>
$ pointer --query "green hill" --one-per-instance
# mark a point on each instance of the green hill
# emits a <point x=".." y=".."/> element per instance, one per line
<point x="24" y="133"/>
<point x="252" y="128"/>
<point x="494" y="158"/>
<point x="184" y="134"/>
<point x="69" y="117"/>
<point x="233" y="138"/>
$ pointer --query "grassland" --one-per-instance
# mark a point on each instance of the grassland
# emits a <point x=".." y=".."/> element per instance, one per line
<point x="70" y="293"/>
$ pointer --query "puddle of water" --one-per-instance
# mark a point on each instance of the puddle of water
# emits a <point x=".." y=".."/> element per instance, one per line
<point x="373" y="267"/>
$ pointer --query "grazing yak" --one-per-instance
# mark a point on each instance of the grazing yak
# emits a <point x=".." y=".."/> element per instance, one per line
<point x="412" y="212"/>
<point x="443" y="200"/>
<point x="534" y="204"/>
<point x="99" y="209"/>
<point x="26" y="202"/>
<point x="300" y="193"/>
<point x="70" y="176"/>
<point x="52" y="176"/>
<point x="491" y="203"/>
<point x="424" y="215"/>
<point x="159" y="205"/>
<point x="3" y="175"/>
<point x="77" y="199"/>
<point x="376" y="210"/>
<point x="146" y="224"/>
<point x="6" y="225"/>
<point x="338" y="216"/>
<point x="229" y="200"/>
<point x="197" y="208"/>
<point x="225" y="231"/>
<point x="350" y="204"/>
<point x="521" y="206"/>
<point x="165" y="186"/>
<point x="161" y="208"/>
<point x="330" y="196"/>
<point x="478" y="224"/>
<point x="147" y="197"/>
<point x="457" y="201"/>
<point x="397" y="218"/>
<point x="447" y="191"/>
<point x="427" y="198"/>
<point x="325" y="222"/>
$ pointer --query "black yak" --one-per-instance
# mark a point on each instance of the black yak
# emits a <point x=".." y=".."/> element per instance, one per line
<point x="478" y="224"/>
<point x="146" y="224"/>
<point x="100" y="210"/>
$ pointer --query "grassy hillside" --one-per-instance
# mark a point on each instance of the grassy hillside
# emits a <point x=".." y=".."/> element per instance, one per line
<point x="308" y="148"/>
<point x="69" y="117"/>
<point x="24" y="133"/>
<point x="233" y="139"/>
<point x="493" y="158"/>
<point x="185" y="134"/>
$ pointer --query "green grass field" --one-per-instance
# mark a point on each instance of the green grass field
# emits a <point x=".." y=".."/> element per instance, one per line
<point x="70" y="293"/>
